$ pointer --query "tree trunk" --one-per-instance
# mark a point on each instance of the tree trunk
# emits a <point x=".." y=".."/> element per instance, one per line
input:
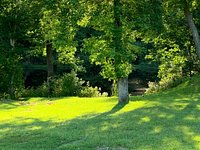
<point x="49" y="66"/>
<point x="114" y="88"/>
<point x="12" y="87"/>
<point x="123" y="96"/>
<point x="193" y="29"/>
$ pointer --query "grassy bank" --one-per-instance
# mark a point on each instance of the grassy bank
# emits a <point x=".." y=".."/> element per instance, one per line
<point x="168" y="120"/>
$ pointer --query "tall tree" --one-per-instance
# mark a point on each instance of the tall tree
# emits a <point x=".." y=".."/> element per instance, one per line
<point x="187" y="7"/>
<point x="58" y="26"/>
<point x="49" y="23"/>
<point x="188" y="15"/>
<point x="121" y="23"/>
<point x="15" y="22"/>
<point x="118" y="46"/>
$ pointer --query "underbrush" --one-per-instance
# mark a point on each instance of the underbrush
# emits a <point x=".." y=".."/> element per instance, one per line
<point x="65" y="85"/>
<point x="166" y="84"/>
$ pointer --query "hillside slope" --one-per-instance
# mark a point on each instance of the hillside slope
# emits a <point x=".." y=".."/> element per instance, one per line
<point x="167" y="120"/>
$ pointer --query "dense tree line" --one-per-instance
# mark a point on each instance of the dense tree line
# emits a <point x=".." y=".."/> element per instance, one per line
<point x="101" y="38"/>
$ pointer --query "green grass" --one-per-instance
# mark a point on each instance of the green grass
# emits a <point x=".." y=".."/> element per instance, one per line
<point x="168" y="120"/>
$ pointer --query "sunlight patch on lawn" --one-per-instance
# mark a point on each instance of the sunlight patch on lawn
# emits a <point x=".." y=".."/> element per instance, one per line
<point x="144" y="120"/>
<point x="35" y="128"/>
<point x="198" y="107"/>
<point x="131" y="106"/>
<point x="158" y="129"/>
<point x="64" y="109"/>
<point x="178" y="105"/>
<point x="190" y="118"/>
<point x="173" y="143"/>
<point x="189" y="134"/>
<point x="4" y="130"/>
<point x="185" y="130"/>
<point x="57" y="110"/>
<point x="196" y="138"/>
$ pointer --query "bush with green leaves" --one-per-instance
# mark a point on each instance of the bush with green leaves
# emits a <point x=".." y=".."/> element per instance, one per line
<point x="11" y="77"/>
<point x="171" y="60"/>
<point x="67" y="85"/>
<point x="164" y="84"/>
<point x="89" y="91"/>
<point x="41" y="91"/>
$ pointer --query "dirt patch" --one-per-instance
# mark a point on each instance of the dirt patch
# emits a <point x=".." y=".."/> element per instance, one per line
<point x="110" y="148"/>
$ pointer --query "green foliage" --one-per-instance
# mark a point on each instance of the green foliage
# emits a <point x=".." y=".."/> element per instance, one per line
<point x="67" y="85"/>
<point x="184" y="85"/>
<point x="173" y="49"/>
<point x="115" y="50"/>
<point x="113" y="66"/>
<point x="89" y="91"/>
<point x="41" y="91"/>
<point x="113" y="29"/>
<point x="11" y="77"/>
<point x="163" y="85"/>
<point x="171" y="59"/>
<point x="171" y="64"/>
<point x="58" y="24"/>
<point x="15" y="23"/>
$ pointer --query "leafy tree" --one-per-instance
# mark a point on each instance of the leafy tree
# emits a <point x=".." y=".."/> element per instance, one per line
<point x="187" y="7"/>
<point x="121" y="23"/>
<point x="174" y="48"/>
<point x="58" y="25"/>
<point x="14" y="24"/>
<point x="175" y="33"/>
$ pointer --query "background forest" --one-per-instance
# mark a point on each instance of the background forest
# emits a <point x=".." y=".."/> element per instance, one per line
<point x="96" y="47"/>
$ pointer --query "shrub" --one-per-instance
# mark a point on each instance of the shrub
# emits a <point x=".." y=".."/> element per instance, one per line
<point x="164" y="84"/>
<point x="172" y="62"/>
<point x="11" y="79"/>
<point x="67" y="85"/>
<point x="89" y="91"/>
<point x="41" y="91"/>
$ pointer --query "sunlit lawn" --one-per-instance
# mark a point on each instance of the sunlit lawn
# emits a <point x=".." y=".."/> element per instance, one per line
<point x="165" y="121"/>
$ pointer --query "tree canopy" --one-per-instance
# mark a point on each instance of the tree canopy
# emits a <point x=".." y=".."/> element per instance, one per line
<point x="98" y="39"/>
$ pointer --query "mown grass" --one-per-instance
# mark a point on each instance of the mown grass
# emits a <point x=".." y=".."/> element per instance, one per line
<point x="168" y="120"/>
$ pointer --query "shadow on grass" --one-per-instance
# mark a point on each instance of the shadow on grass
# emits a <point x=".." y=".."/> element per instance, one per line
<point x="8" y="104"/>
<point x="173" y="124"/>
<point x="12" y="104"/>
<point x="115" y="109"/>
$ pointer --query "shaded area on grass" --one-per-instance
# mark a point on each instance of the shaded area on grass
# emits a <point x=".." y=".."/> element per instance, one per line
<point x="115" y="109"/>
<point x="12" y="104"/>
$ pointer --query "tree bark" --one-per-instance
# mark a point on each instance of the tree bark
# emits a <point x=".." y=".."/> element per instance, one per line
<point x="193" y="29"/>
<point x="50" y="71"/>
<point x="123" y="94"/>
<point x="49" y="59"/>
<point x="12" y="87"/>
